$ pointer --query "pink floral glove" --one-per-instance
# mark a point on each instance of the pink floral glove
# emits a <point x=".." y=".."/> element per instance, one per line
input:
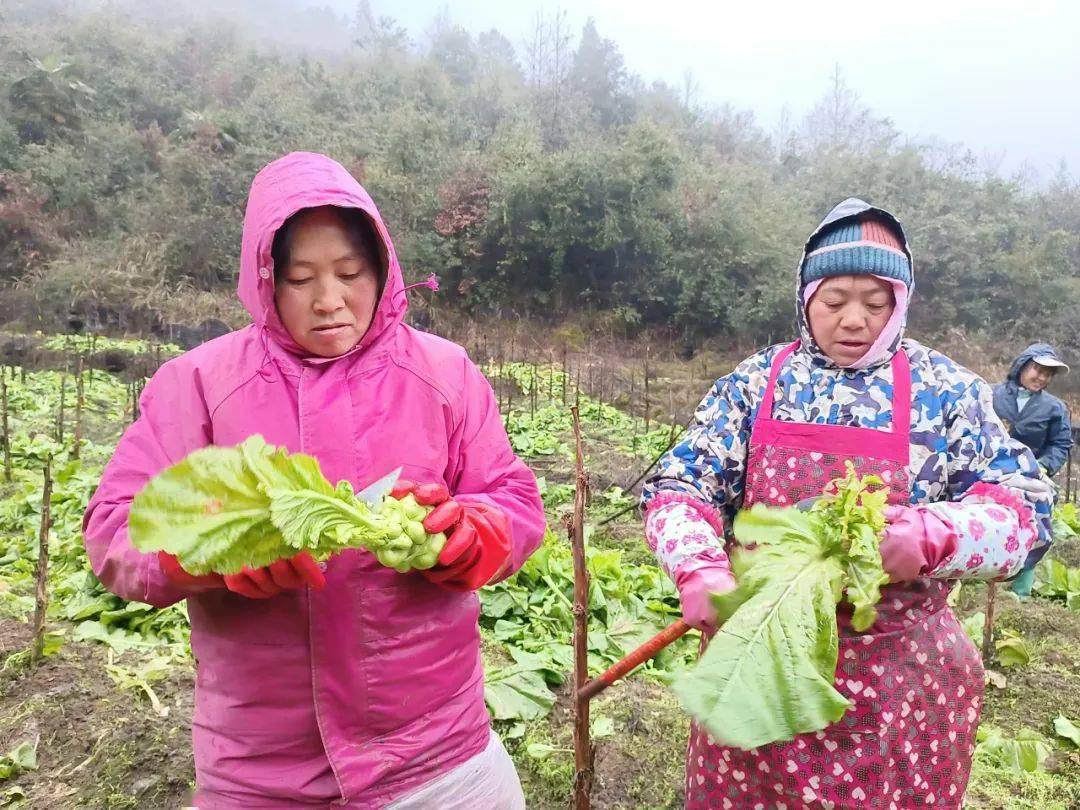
<point x="696" y="588"/>
<point x="916" y="542"/>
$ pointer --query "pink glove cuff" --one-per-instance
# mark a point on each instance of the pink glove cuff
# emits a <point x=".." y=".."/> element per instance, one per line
<point x="916" y="542"/>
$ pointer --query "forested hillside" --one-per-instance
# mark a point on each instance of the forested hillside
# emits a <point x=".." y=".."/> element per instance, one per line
<point x="537" y="177"/>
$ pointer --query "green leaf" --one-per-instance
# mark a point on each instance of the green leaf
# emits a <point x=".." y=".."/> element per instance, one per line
<point x="854" y="519"/>
<point x="975" y="625"/>
<point x="1012" y="651"/>
<point x="515" y="693"/>
<point x="24" y="756"/>
<point x="209" y="512"/>
<point x="1026" y="753"/>
<point x="223" y="508"/>
<point x="767" y="675"/>
<point x="601" y="728"/>
<point x="1067" y="729"/>
<point x="541" y="751"/>
<point x="12" y="794"/>
<point x="551" y="669"/>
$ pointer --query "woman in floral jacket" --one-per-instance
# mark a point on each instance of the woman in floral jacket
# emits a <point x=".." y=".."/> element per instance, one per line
<point x="967" y="502"/>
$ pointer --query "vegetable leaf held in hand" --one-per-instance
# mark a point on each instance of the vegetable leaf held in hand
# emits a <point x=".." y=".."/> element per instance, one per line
<point x="223" y="508"/>
<point x="768" y="673"/>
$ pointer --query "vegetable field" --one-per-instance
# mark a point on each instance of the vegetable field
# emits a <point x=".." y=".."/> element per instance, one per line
<point x="101" y="718"/>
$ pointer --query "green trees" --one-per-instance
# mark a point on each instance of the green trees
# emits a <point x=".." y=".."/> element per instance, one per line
<point x="543" y="181"/>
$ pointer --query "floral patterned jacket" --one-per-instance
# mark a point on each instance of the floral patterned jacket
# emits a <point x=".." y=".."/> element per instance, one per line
<point x="963" y="464"/>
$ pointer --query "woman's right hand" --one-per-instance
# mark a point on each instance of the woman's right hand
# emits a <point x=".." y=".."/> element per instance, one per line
<point x="696" y="589"/>
<point x="300" y="571"/>
<point x="171" y="568"/>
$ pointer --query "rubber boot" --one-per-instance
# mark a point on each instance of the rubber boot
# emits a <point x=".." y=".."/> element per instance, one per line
<point x="1021" y="586"/>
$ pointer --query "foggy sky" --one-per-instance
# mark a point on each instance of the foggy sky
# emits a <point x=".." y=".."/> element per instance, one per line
<point x="1001" y="78"/>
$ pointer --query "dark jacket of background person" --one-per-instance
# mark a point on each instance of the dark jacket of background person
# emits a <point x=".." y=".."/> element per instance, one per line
<point x="1043" y="425"/>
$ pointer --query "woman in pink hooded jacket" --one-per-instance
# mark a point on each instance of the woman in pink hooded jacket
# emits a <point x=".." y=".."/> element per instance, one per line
<point x="347" y="684"/>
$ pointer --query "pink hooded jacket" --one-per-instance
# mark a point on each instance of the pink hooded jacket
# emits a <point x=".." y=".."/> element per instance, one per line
<point x="361" y="691"/>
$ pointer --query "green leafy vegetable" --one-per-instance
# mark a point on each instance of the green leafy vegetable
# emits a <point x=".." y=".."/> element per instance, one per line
<point x="1066" y="521"/>
<point x="975" y="625"/>
<point x="1067" y="729"/>
<point x="1026" y="753"/>
<point x="1012" y="650"/>
<point x="223" y="508"/>
<point x="768" y="673"/>
<point x="22" y="757"/>
<point x="1055" y="580"/>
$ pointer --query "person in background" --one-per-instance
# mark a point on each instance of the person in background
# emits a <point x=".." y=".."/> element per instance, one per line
<point x="1039" y="420"/>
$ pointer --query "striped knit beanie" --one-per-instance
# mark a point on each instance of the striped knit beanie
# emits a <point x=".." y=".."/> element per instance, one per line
<point x="863" y="245"/>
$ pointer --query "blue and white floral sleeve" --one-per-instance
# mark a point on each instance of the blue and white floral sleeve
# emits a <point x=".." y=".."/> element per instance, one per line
<point x="706" y="470"/>
<point x="999" y="502"/>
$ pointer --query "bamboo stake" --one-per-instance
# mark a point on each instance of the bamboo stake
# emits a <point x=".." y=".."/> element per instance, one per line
<point x="532" y="393"/>
<point x="41" y="593"/>
<point x="63" y="397"/>
<point x="988" y="628"/>
<point x="646" y="389"/>
<point x="80" y="403"/>
<point x="7" y="435"/>
<point x="502" y="401"/>
<point x="566" y="373"/>
<point x="90" y="370"/>
<point x="551" y="377"/>
<point x="583" y="750"/>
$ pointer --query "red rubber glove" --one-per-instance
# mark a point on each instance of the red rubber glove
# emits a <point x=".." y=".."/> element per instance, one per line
<point x="289" y="574"/>
<point x="170" y="566"/>
<point x="255" y="583"/>
<point x="477" y="537"/>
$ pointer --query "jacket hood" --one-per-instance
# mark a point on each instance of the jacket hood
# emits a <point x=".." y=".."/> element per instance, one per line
<point x="282" y="188"/>
<point x="1030" y="353"/>
<point x="851" y="209"/>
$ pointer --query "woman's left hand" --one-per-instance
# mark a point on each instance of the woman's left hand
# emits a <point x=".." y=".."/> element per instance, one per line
<point x="477" y="545"/>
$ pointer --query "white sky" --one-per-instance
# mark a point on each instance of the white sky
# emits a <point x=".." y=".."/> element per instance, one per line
<point x="1003" y="78"/>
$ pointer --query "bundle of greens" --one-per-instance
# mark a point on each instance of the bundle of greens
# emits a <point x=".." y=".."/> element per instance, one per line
<point x="768" y="673"/>
<point x="223" y="508"/>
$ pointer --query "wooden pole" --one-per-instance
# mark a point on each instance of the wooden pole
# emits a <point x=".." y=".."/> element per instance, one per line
<point x="583" y="752"/>
<point x="60" y="415"/>
<point x="532" y="393"/>
<point x="139" y="386"/>
<point x="566" y="374"/>
<point x="988" y="628"/>
<point x="646" y="652"/>
<point x="80" y="402"/>
<point x="41" y="593"/>
<point x="7" y="435"/>
<point x="551" y="377"/>
<point x="90" y="370"/>
<point x="646" y="389"/>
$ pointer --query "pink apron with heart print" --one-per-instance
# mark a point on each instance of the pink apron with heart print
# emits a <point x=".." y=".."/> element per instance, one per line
<point x="915" y="678"/>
